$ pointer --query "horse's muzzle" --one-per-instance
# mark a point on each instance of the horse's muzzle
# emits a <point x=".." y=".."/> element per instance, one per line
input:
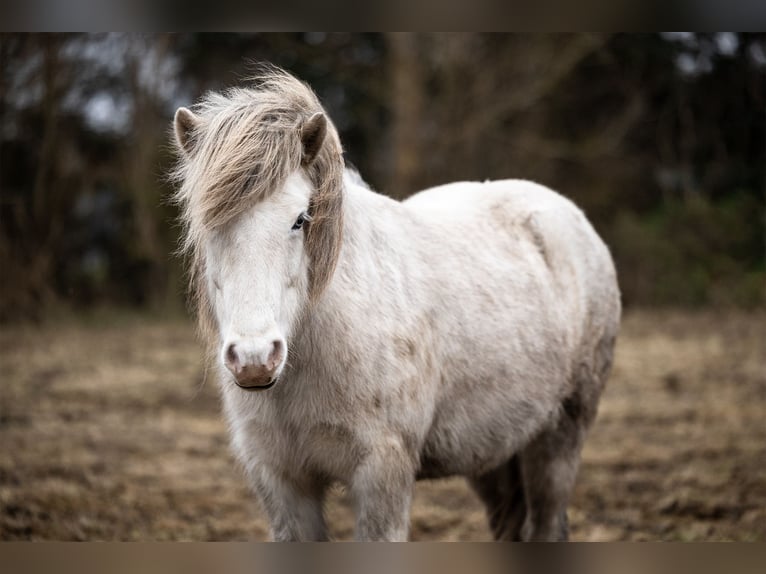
<point x="255" y="366"/>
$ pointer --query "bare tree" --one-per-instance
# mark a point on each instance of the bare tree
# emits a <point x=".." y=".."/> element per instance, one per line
<point x="407" y="97"/>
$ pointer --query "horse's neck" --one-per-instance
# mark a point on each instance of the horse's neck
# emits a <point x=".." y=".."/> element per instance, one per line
<point x="370" y="224"/>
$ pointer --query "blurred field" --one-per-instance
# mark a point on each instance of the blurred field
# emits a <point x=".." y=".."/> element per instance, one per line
<point x="107" y="432"/>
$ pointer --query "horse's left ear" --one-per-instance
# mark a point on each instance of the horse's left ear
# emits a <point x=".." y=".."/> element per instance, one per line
<point x="313" y="132"/>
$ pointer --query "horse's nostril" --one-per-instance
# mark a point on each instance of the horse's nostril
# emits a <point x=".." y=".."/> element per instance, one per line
<point x="231" y="355"/>
<point x="276" y="352"/>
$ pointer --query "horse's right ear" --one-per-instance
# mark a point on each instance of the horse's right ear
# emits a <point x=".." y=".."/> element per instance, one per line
<point x="185" y="124"/>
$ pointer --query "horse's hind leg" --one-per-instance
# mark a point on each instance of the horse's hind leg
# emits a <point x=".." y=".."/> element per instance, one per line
<point x="549" y="468"/>
<point x="549" y="463"/>
<point x="502" y="493"/>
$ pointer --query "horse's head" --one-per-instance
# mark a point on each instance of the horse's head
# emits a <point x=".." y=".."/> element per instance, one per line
<point x="261" y="174"/>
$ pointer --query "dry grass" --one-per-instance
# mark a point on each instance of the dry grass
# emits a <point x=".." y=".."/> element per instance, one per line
<point x="107" y="432"/>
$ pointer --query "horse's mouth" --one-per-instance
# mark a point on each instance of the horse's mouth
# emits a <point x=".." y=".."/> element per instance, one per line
<point x="265" y="387"/>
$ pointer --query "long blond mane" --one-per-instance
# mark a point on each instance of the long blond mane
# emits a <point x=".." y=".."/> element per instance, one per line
<point x="245" y="144"/>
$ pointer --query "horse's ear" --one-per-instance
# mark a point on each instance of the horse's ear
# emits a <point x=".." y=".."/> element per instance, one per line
<point x="185" y="124"/>
<point x="313" y="132"/>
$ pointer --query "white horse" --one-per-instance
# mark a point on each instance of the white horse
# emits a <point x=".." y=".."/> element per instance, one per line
<point x="466" y="331"/>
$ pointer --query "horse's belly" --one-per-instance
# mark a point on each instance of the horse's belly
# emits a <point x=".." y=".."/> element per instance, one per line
<point x="472" y="437"/>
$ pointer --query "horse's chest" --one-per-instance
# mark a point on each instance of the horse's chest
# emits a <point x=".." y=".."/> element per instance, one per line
<point x="326" y="448"/>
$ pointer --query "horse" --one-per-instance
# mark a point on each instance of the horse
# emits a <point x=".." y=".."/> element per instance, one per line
<point x="358" y="340"/>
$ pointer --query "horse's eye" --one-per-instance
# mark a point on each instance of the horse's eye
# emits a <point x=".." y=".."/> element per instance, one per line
<point x="302" y="218"/>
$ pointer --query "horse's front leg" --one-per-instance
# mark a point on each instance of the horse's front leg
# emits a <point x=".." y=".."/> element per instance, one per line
<point x="382" y="488"/>
<point x="294" y="511"/>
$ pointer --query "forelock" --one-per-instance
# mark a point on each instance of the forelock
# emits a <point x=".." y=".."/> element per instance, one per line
<point x="247" y="144"/>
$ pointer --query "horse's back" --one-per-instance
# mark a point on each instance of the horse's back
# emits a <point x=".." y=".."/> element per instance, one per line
<point x="516" y="194"/>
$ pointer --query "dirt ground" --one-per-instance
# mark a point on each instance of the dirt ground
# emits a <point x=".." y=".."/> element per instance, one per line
<point x="107" y="432"/>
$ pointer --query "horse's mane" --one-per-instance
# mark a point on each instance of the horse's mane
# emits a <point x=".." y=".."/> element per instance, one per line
<point x="244" y="146"/>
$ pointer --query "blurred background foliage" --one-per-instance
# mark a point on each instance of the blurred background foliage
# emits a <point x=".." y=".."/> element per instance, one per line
<point x="661" y="139"/>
